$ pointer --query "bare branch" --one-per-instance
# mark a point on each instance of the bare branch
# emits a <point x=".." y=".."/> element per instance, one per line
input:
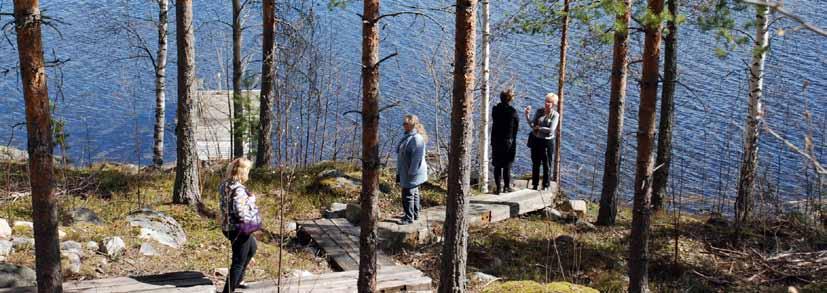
<point x="819" y="168"/>
<point x="779" y="7"/>
<point x="394" y="104"/>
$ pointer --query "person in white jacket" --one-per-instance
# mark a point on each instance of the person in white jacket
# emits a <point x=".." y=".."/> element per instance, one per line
<point x="238" y="205"/>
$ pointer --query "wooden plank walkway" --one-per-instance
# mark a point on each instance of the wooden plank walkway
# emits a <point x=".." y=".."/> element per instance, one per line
<point x="482" y="209"/>
<point x="339" y="239"/>
<point x="389" y="279"/>
<point x="180" y="282"/>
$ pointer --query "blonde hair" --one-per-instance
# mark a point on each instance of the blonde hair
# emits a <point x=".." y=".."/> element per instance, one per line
<point x="414" y="120"/>
<point x="553" y="97"/>
<point x="238" y="170"/>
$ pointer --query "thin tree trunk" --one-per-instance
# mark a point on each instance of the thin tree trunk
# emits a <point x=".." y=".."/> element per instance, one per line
<point x="238" y="106"/>
<point x="749" y="164"/>
<point x="27" y="19"/>
<point x="160" y="84"/>
<point x="455" y="248"/>
<point x="370" y="146"/>
<point x="264" y="152"/>
<point x="186" y="189"/>
<point x="484" y="104"/>
<point x="561" y="82"/>
<point x="611" y="169"/>
<point x="639" y="242"/>
<point x="667" y="109"/>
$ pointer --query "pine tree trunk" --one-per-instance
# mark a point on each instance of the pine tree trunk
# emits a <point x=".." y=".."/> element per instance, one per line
<point x="370" y="147"/>
<point x="186" y="188"/>
<point x="238" y="105"/>
<point x="38" y="125"/>
<point x="264" y="152"/>
<point x="611" y="169"/>
<point x="749" y="164"/>
<point x="160" y="84"/>
<point x="667" y="109"/>
<point x="484" y="104"/>
<point x="639" y="239"/>
<point x="454" y="251"/>
<point x="561" y="82"/>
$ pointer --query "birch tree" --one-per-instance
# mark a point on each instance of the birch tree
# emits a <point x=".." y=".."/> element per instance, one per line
<point x="485" y="94"/>
<point x="160" y="84"/>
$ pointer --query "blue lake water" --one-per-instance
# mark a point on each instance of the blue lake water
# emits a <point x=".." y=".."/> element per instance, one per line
<point x="107" y="99"/>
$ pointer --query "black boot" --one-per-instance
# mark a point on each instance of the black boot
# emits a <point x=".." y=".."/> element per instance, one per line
<point x="497" y="190"/>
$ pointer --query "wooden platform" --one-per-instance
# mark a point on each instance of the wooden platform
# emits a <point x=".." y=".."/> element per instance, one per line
<point x="482" y="209"/>
<point x="182" y="282"/>
<point x="339" y="240"/>
<point x="389" y="279"/>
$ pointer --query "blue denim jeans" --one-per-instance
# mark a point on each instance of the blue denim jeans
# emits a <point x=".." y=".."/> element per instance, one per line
<point x="411" y="204"/>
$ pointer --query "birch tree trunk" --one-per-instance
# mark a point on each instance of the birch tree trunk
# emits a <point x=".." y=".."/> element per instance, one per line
<point x="561" y="82"/>
<point x="370" y="147"/>
<point x="455" y="247"/>
<point x="667" y="109"/>
<point x="160" y="84"/>
<point x="485" y="103"/>
<point x="749" y="163"/>
<point x="611" y="168"/>
<point x="264" y="152"/>
<point x="639" y="239"/>
<point x="238" y="106"/>
<point x="27" y="20"/>
<point x="186" y="187"/>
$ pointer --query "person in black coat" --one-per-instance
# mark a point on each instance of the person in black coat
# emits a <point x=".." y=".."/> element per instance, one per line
<point x="504" y="125"/>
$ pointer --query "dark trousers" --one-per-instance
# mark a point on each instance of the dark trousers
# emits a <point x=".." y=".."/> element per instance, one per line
<point x="244" y="248"/>
<point x="411" y="204"/>
<point x="542" y="154"/>
<point x="502" y="173"/>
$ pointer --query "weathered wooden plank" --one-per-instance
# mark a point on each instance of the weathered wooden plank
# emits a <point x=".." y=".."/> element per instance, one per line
<point x="168" y="282"/>
<point x="347" y="255"/>
<point x="389" y="279"/>
<point x="352" y="232"/>
<point x="520" y="202"/>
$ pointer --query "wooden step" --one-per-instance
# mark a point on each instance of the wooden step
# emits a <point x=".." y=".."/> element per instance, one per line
<point x="339" y="240"/>
<point x="389" y="279"/>
<point x="163" y="283"/>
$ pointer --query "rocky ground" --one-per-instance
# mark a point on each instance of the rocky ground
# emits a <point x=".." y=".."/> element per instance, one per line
<point x="117" y="220"/>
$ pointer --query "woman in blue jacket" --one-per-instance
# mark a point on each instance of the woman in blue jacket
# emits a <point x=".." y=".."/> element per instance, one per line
<point x="411" y="167"/>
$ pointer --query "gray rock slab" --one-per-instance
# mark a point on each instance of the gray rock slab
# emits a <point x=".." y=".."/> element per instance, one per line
<point x="12" y="276"/>
<point x="159" y="227"/>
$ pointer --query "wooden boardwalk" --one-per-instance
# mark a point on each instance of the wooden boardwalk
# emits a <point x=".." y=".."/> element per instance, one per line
<point x="179" y="282"/>
<point x="339" y="240"/>
<point x="482" y="209"/>
<point x="389" y="279"/>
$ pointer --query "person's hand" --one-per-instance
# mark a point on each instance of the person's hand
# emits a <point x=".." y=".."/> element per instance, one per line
<point x="536" y="127"/>
<point x="527" y="109"/>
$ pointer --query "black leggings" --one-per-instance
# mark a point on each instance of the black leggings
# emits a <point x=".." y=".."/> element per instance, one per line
<point x="244" y="248"/>
<point x="542" y="154"/>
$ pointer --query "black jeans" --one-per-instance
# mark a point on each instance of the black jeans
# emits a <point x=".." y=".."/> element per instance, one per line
<point x="244" y="248"/>
<point x="502" y="173"/>
<point x="542" y="154"/>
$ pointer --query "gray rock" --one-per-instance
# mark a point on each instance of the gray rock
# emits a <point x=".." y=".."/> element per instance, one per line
<point x="353" y="213"/>
<point x="330" y="173"/>
<point x="578" y="206"/>
<point x="12" y="276"/>
<point x="6" y="247"/>
<point x="72" y="247"/>
<point x="484" y="278"/>
<point x="85" y="215"/>
<point x="74" y="261"/>
<point x="12" y="154"/>
<point x="336" y="210"/>
<point x="5" y="229"/>
<point x="92" y="245"/>
<point x="21" y="243"/>
<point x="159" y="227"/>
<point x="290" y="227"/>
<point x="148" y="250"/>
<point x="113" y="246"/>
<point x="552" y="214"/>
<point x="584" y="226"/>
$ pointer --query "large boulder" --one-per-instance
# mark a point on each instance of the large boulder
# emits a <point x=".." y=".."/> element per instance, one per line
<point x="12" y="276"/>
<point x="72" y="261"/>
<point x="85" y="215"/>
<point x="353" y="213"/>
<point x="5" y="229"/>
<point x="72" y="247"/>
<point x="579" y="207"/>
<point x="159" y="227"/>
<point x="148" y="250"/>
<point x="335" y="181"/>
<point x="113" y="247"/>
